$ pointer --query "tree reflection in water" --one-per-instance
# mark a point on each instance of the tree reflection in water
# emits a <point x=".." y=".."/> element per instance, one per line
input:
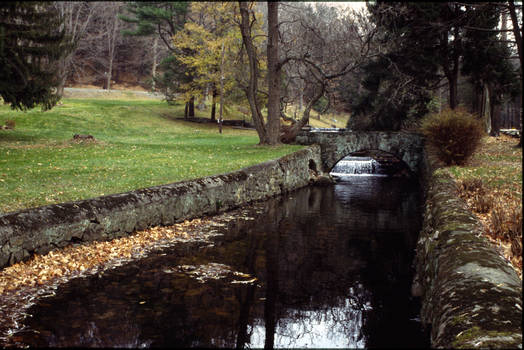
<point x="338" y="326"/>
<point x="332" y="269"/>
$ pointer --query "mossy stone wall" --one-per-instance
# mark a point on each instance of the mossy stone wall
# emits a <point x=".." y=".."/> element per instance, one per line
<point x="471" y="295"/>
<point x="40" y="230"/>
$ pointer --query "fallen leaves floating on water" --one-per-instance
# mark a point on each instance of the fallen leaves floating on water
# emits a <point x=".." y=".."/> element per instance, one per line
<point x="253" y="280"/>
<point x="73" y="259"/>
<point x="23" y="283"/>
<point x="203" y="273"/>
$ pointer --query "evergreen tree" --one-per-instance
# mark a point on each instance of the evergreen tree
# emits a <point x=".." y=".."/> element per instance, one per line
<point x="423" y="40"/>
<point x="165" y="19"/>
<point x="387" y="98"/>
<point x="31" y="45"/>
<point x="423" y="43"/>
<point x="483" y="49"/>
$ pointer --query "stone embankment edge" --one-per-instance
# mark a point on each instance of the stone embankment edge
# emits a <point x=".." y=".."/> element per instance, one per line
<point x="471" y="295"/>
<point x="40" y="230"/>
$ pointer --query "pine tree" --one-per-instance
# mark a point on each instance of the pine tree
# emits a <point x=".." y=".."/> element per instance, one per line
<point x="163" y="19"/>
<point x="31" y="45"/>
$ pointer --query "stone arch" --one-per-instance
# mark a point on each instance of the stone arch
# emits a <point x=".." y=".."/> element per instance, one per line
<point x="408" y="147"/>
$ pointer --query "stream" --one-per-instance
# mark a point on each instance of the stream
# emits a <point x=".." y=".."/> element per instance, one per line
<point x="322" y="267"/>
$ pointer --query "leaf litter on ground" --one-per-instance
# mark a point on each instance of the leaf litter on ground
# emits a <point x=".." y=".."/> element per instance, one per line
<point x="497" y="163"/>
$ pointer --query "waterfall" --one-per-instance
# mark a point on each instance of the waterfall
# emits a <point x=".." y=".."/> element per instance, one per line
<point x="355" y="166"/>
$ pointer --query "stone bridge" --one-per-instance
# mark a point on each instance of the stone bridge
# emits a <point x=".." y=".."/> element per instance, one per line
<point x="335" y="144"/>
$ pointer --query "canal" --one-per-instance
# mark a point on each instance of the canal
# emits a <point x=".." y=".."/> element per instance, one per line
<point x="323" y="267"/>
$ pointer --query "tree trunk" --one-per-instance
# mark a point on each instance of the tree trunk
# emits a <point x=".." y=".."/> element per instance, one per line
<point x="186" y="110"/>
<point x="62" y="75"/>
<point x="221" y="89"/>
<point x="485" y="111"/>
<point x="155" y="63"/>
<point x="111" y="46"/>
<point x="494" y="107"/>
<point x="301" y="98"/>
<point x="291" y="132"/>
<point x="517" y="32"/>
<point x="214" y="94"/>
<point x="273" y="75"/>
<point x="453" y="82"/>
<point x="256" y="115"/>
<point x="453" y="92"/>
<point x="191" y="112"/>
<point x="451" y="66"/>
<point x="476" y="101"/>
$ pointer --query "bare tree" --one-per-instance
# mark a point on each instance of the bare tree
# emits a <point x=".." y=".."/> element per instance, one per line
<point x="247" y="21"/>
<point x="319" y="47"/>
<point x="112" y="35"/>
<point x="97" y="48"/>
<point x="274" y="68"/>
<point x="76" y="17"/>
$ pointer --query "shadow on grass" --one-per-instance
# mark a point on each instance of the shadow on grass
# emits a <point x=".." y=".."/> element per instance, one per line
<point x="174" y="117"/>
<point x="14" y="136"/>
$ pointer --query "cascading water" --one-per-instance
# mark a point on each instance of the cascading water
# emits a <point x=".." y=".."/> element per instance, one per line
<point x="355" y="166"/>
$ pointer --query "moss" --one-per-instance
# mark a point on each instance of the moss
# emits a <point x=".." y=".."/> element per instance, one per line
<point x="460" y="319"/>
<point x="442" y="174"/>
<point x="476" y="337"/>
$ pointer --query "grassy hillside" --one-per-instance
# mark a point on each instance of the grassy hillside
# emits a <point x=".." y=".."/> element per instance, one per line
<point x="138" y="143"/>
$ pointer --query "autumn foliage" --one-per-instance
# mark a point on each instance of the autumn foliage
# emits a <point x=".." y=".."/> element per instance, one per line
<point x="453" y="135"/>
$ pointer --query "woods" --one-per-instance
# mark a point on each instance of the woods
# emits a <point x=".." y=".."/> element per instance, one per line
<point x="387" y="65"/>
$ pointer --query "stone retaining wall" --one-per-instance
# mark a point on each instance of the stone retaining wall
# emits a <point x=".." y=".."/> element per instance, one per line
<point x="42" y="229"/>
<point x="471" y="295"/>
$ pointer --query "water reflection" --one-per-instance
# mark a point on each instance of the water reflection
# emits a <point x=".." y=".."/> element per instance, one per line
<point x="323" y="267"/>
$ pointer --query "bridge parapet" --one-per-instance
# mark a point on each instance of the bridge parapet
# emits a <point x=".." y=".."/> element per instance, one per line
<point x="335" y="144"/>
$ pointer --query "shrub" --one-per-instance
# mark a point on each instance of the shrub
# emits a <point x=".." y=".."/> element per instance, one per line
<point x="453" y="135"/>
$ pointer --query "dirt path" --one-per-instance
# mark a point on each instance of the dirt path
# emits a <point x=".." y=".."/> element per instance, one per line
<point x="91" y="92"/>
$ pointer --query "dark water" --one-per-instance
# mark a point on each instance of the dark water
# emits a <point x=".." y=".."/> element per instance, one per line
<point x="332" y="268"/>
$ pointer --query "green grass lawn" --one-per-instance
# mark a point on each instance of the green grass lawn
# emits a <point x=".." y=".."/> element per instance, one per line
<point x="139" y="143"/>
<point x="498" y="163"/>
